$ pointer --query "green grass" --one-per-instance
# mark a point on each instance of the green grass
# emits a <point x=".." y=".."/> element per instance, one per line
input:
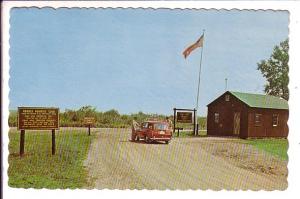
<point x="274" y="146"/>
<point x="39" y="169"/>
<point x="189" y="133"/>
<point x="277" y="147"/>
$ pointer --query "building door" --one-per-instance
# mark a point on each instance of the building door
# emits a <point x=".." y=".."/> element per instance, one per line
<point x="236" y="123"/>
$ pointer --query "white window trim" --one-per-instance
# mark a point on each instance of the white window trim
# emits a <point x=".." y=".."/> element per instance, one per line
<point x="255" y="123"/>
<point x="227" y="98"/>
<point x="277" y="120"/>
<point x="218" y="121"/>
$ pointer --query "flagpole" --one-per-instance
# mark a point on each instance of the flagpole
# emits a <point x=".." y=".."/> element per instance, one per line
<point x="197" y="103"/>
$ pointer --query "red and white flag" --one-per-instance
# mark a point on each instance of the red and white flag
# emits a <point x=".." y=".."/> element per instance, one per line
<point x="197" y="44"/>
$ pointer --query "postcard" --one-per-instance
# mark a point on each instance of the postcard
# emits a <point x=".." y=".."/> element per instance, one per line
<point x="136" y="98"/>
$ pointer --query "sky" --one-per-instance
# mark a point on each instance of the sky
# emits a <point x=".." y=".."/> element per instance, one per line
<point x="131" y="59"/>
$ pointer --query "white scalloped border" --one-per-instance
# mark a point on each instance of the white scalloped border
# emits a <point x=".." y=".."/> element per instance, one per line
<point x="294" y="136"/>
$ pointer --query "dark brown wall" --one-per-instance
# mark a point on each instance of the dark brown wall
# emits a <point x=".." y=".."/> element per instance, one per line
<point x="267" y="129"/>
<point x="247" y="119"/>
<point x="226" y="110"/>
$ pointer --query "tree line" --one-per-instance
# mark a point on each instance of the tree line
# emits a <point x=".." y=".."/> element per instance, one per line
<point x="275" y="70"/>
<point x="107" y="119"/>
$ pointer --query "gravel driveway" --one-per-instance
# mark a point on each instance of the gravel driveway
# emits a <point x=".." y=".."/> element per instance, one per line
<point x="114" y="162"/>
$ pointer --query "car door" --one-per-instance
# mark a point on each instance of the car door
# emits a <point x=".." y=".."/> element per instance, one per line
<point x="143" y="130"/>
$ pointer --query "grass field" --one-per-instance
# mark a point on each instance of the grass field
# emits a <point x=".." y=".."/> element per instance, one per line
<point x="189" y="134"/>
<point x="39" y="169"/>
<point x="277" y="147"/>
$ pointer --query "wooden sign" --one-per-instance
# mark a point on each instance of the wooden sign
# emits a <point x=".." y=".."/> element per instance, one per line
<point x="38" y="118"/>
<point x="89" y="120"/>
<point x="185" y="117"/>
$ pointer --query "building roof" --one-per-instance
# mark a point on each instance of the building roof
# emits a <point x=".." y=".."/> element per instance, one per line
<point x="261" y="101"/>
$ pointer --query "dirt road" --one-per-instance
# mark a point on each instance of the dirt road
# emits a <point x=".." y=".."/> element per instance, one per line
<point x="115" y="162"/>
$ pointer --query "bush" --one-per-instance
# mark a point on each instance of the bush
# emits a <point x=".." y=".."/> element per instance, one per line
<point x="108" y="119"/>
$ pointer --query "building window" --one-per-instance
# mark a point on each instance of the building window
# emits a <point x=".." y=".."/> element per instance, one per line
<point x="258" y="118"/>
<point x="275" y="119"/>
<point x="227" y="98"/>
<point x="217" y="117"/>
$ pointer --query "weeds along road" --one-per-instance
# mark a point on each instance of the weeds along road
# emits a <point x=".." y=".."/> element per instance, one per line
<point x="114" y="162"/>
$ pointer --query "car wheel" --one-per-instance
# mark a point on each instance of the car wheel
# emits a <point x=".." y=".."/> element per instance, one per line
<point x="167" y="142"/>
<point x="137" y="138"/>
<point x="146" y="139"/>
<point x="133" y="137"/>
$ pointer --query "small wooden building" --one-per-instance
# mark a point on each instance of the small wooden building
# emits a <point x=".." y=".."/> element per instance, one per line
<point x="247" y="115"/>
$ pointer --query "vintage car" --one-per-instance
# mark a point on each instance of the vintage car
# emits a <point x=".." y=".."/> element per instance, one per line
<point x="153" y="131"/>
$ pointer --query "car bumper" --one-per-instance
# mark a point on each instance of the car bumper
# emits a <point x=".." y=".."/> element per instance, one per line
<point x="160" y="138"/>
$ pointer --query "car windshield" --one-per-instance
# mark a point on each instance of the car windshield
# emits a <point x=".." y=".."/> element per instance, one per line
<point x="160" y="126"/>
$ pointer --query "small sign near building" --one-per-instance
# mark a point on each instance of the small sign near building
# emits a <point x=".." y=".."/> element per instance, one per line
<point x="37" y="118"/>
<point x="185" y="117"/>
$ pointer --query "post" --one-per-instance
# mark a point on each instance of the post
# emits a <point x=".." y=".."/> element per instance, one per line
<point x="53" y="141"/>
<point x="22" y="142"/>
<point x="174" y="120"/>
<point x="195" y="121"/>
<point x="89" y="129"/>
<point x="197" y="104"/>
<point x="226" y="84"/>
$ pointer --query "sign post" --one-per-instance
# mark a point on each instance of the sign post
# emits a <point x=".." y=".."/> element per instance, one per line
<point x="37" y="118"/>
<point x="174" y="120"/>
<point x="195" y="122"/>
<point x="22" y="142"/>
<point x="53" y="141"/>
<point x="89" y="121"/>
<point x="185" y="116"/>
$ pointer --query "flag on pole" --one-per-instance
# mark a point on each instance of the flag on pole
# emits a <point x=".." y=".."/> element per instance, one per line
<point x="197" y="44"/>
